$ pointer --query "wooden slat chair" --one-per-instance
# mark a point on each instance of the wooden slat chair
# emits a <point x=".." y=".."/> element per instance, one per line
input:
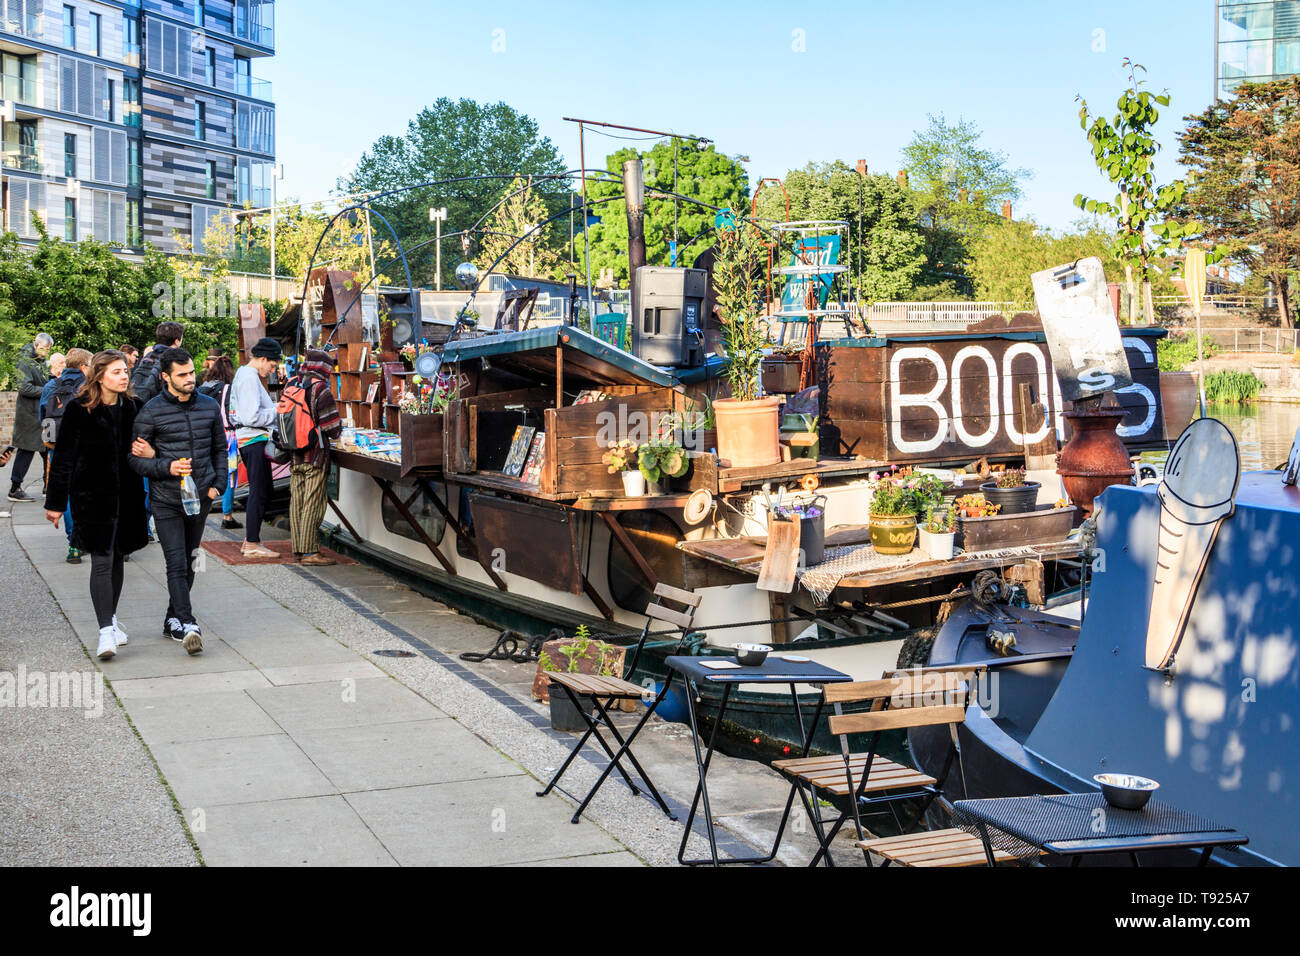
<point x="908" y="699"/>
<point x="599" y="691"/>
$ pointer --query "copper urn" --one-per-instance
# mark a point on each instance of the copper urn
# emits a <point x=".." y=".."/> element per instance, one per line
<point x="1095" y="457"/>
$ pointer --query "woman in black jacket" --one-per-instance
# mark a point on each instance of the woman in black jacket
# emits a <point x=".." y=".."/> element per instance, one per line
<point x="91" y="471"/>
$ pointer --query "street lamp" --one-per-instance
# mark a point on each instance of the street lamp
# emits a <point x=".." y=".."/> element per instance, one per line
<point x="437" y="215"/>
<point x="277" y="174"/>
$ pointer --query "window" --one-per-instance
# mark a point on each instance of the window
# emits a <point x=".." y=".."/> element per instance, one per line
<point x="110" y="95"/>
<point x="131" y="102"/>
<point x="97" y="33"/>
<point x="200" y="120"/>
<point x="70" y="27"/>
<point x="131" y="39"/>
<point x="133" y="162"/>
<point x="70" y="155"/>
<point x="133" y="237"/>
<point x="70" y="220"/>
<point x="17" y="77"/>
<point x="211" y="67"/>
<point x="199" y="13"/>
<point x="212" y="179"/>
<point x="243" y="76"/>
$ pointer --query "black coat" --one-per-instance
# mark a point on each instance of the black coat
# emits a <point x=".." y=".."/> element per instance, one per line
<point x="90" y="469"/>
<point x="31" y="380"/>
<point x="177" y="429"/>
<point x="146" y="377"/>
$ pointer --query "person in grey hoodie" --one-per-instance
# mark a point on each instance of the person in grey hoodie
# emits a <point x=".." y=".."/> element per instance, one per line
<point x="253" y="415"/>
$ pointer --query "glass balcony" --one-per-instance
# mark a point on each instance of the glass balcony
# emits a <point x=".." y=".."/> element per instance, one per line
<point x="251" y="86"/>
<point x="26" y="158"/>
<point x="20" y="90"/>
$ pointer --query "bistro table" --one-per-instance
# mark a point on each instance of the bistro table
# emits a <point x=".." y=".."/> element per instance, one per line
<point x="1081" y="824"/>
<point x="774" y="670"/>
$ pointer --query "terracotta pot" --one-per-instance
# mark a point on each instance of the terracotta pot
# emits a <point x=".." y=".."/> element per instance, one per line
<point x="1095" y="457"/>
<point x="1178" y="402"/>
<point x="749" y="433"/>
<point x="893" y="534"/>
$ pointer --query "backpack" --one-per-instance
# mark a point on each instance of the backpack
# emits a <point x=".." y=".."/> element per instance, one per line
<point x="295" y="426"/>
<point x="146" y="379"/>
<point x="64" y="392"/>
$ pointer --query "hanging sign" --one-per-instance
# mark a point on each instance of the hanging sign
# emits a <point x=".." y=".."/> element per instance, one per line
<point x="1082" y="331"/>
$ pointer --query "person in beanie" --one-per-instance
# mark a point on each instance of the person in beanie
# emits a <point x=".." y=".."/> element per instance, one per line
<point x="307" y="476"/>
<point x="253" y="414"/>
<point x="27" y="422"/>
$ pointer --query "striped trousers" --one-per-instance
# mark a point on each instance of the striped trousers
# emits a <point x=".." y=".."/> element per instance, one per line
<point x="306" y="507"/>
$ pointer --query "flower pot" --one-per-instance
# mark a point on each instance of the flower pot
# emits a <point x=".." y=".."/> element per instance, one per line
<point x="937" y="544"/>
<point x="893" y="534"/>
<point x="1014" y="501"/>
<point x="633" y="484"/>
<point x="564" y="716"/>
<point x="812" y="539"/>
<point x="748" y="431"/>
<point x="1095" y="457"/>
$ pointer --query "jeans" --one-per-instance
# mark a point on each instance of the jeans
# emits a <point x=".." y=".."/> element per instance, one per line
<point x="106" y="575"/>
<point x="180" y="535"/>
<point x="259" y="489"/>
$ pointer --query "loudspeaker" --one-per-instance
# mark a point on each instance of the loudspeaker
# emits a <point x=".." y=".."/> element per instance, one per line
<point x="405" y="316"/>
<point x="668" y="316"/>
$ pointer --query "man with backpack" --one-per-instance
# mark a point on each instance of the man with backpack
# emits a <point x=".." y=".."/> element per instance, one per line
<point x="145" y="379"/>
<point x="59" y="394"/>
<point x="308" y="420"/>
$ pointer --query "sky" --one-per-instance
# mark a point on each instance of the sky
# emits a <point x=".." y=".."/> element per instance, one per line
<point x="781" y="83"/>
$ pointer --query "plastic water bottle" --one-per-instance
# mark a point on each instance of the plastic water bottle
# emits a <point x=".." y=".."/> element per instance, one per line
<point x="189" y="495"/>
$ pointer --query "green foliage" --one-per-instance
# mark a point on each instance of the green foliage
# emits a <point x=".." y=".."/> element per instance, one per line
<point x="581" y="648"/>
<point x="1232" y="386"/>
<point x="895" y="494"/>
<point x="1124" y="148"/>
<point x="737" y="285"/>
<point x="663" y="458"/>
<point x="1175" y="352"/>
<point x="1006" y="254"/>
<point x="450" y="139"/>
<point x="702" y="174"/>
<point x="521" y="210"/>
<point x="885" y="255"/>
<point x="1010" y="478"/>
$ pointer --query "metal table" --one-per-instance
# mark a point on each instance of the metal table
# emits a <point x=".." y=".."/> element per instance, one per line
<point x="1082" y="824"/>
<point x="772" y="671"/>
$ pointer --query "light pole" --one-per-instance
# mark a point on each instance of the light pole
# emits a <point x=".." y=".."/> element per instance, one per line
<point x="277" y="174"/>
<point x="437" y="215"/>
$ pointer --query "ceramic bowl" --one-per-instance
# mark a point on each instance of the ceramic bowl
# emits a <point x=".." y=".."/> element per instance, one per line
<point x="751" y="655"/>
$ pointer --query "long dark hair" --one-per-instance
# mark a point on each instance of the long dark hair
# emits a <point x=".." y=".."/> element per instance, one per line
<point x="92" y="392"/>
<point x="222" y="370"/>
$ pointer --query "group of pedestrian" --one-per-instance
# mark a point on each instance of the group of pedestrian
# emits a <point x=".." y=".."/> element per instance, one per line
<point x="141" y="448"/>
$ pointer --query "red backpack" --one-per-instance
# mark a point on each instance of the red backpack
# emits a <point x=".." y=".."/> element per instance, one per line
<point x="297" y="429"/>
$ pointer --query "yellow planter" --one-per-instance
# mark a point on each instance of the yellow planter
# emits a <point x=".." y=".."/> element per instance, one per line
<point x="893" y="534"/>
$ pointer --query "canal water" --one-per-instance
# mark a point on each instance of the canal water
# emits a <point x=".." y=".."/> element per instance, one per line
<point x="1264" y="431"/>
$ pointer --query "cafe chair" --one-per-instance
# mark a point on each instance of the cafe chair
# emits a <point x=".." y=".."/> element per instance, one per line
<point x="917" y="698"/>
<point x="599" y="692"/>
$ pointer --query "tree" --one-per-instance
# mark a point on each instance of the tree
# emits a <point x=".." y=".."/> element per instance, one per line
<point x="702" y="174"/>
<point x="455" y="139"/>
<point x="1243" y="157"/>
<point x="1125" y="149"/>
<point x="515" y="218"/>
<point x="958" y="188"/>
<point x="885" y="255"/>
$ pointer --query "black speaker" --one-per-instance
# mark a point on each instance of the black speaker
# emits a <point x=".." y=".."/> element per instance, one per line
<point x="668" y="316"/>
<point x="404" y="313"/>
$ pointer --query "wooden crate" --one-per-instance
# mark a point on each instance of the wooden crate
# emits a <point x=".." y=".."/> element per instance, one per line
<point x="421" y="441"/>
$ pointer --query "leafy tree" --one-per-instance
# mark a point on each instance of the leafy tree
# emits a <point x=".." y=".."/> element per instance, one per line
<point x="958" y="188"/>
<point x="1125" y="150"/>
<point x="1243" y="157"/>
<point x="702" y="174"/>
<point x="886" y="258"/>
<point x="453" y="139"/>
<point x="516" y="218"/>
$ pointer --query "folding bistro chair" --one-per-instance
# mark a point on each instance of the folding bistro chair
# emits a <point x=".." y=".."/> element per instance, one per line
<point x="908" y="699"/>
<point x="588" y="691"/>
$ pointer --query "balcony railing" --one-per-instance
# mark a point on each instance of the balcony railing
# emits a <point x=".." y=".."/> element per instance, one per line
<point x="250" y="86"/>
<point x="20" y="16"/>
<point x="26" y="158"/>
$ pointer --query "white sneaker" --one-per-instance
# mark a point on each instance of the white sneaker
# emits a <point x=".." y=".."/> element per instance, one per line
<point x="193" y="643"/>
<point x="121" y="634"/>
<point x="107" y="643"/>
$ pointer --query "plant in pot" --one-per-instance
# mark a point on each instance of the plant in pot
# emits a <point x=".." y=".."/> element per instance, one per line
<point x="564" y="716"/>
<point x="1012" y="492"/>
<point x="660" y="461"/>
<point x="748" y="422"/>
<point x="894" y="506"/>
<point x="937" y="534"/>
<point x="976" y="506"/>
<point x="622" y="457"/>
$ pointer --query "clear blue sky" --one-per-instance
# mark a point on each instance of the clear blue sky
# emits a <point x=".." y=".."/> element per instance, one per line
<point x="346" y="73"/>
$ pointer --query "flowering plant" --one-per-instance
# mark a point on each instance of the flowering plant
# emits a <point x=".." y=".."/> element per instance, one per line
<point x="428" y="398"/>
<point x="621" y="456"/>
<point x="976" y="506"/>
<point x="896" y="493"/>
<point x="408" y="353"/>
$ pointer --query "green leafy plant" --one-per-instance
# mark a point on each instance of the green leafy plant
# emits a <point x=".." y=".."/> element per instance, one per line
<point x="1232" y="386"/>
<point x="621" y="456"/>
<point x="580" y="648"/>
<point x="1124" y="148"/>
<point x="941" y="523"/>
<point x="1175" y="352"/>
<point x="900" y="493"/>
<point x="738" y="284"/>
<point x="1011" y="478"/>
<point x="662" y="459"/>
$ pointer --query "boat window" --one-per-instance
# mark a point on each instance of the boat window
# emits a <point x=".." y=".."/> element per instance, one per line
<point x="655" y="535"/>
<point x="421" y="509"/>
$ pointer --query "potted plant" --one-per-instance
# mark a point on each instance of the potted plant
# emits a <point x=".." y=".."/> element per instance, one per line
<point x="598" y="658"/>
<point x="748" y="422"/>
<point x="622" y="457"/>
<point x="662" y="460"/>
<point x="1012" y="492"/>
<point x="976" y="506"/>
<point x="893" y="514"/>
<point x="937" y="535"/>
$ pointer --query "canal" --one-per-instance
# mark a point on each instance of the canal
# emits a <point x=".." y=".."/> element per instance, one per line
<point x="1264" y="431"/>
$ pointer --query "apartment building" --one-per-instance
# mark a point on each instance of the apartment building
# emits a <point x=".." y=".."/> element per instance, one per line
<point x="134" y="122"/>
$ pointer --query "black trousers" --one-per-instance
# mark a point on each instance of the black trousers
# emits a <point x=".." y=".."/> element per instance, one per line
<point x="22" y="461"/>
<point x="107" y="572"/>
<point x="258" y="467"/>
<point x="180" y="536"/>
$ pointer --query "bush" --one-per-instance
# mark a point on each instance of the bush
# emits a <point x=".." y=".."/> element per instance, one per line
<point x="1176" y="352"/>
<point x="1232" y="386"/>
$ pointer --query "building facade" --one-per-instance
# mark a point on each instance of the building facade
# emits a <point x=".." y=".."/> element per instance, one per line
<point x="134" y="122"/>
<point x="1256" y="42"/>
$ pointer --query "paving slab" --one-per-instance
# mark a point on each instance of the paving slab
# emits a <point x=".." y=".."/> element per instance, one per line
<point x="302" y="708"/>
<point x="207" y="773"/>
<point x="321" y="673"/>
<point x="618" y="859"/>
<point x="309" y="831"/>
<point x="130" y="689"/>
<point x="208" y="716"/>
<point x="296" y="649"/>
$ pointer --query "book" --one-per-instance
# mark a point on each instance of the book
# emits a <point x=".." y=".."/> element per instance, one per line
<point x="518" y="451"/>
<point x="536" y="461"/>
<point x="589" y="395"/>
<point x="372" y="392"/>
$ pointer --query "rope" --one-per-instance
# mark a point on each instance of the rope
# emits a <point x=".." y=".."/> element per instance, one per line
<point x="507" y="649"/>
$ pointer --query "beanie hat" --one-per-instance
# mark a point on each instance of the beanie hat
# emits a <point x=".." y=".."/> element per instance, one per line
<point x="267" y="348"/>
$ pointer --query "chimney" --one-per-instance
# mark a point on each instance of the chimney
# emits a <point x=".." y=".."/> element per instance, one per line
<point x="902" y="178"/>
<point x="862" y="167"/>
<point x="1006" y="209"/>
